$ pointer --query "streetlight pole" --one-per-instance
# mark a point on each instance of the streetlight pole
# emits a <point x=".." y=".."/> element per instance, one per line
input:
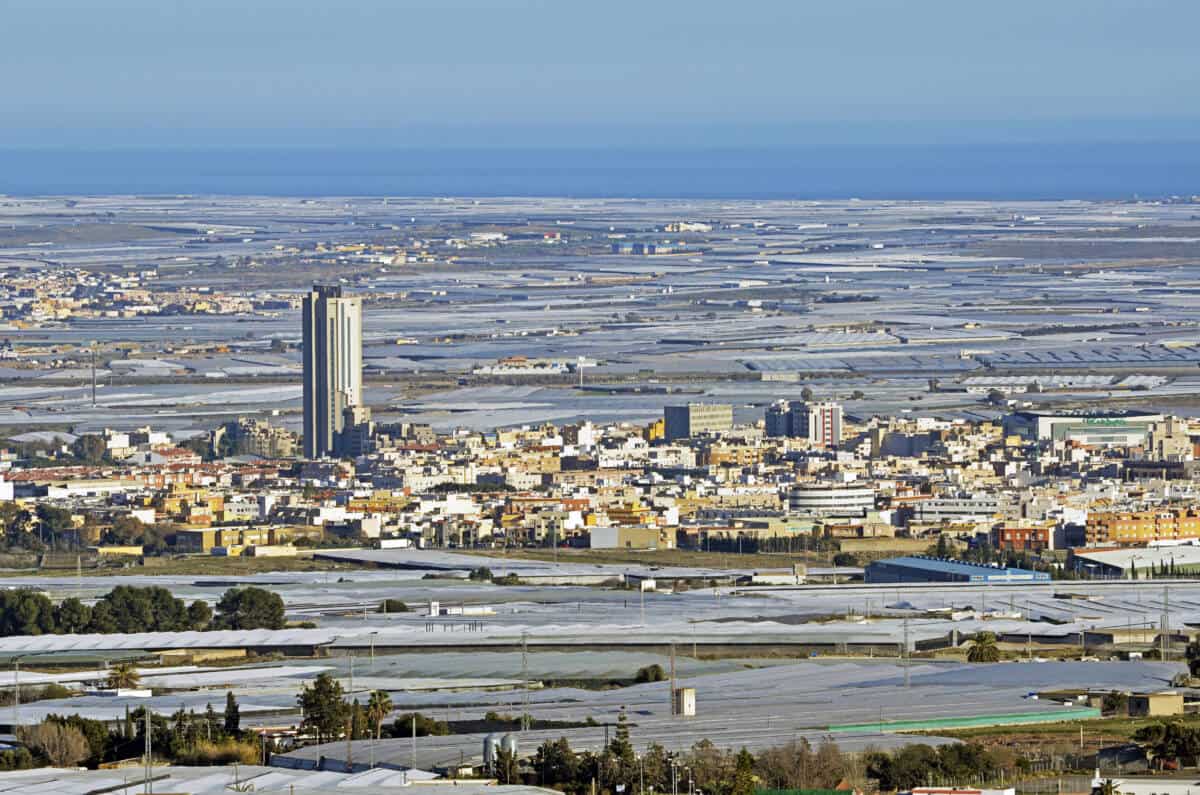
<point x="16" y="692"/>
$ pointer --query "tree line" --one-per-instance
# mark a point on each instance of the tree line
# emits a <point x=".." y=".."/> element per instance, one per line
<point x="716" y="771"/>
<point x="130" y="609"/>
<point x="49" y="527"/>
<point x="186" y="737"/>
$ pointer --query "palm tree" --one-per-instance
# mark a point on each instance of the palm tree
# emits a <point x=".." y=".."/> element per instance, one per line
<point x="379" y="706"/>
<point x="1108" y="787"/>
<point x="984" y="649"/>
<point x="123" y="676"/>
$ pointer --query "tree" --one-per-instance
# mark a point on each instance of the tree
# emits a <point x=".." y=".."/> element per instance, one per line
<point x="556" y="765"/>
<point x="123" y="676"/>
<point x="73" y="616"/>
<point x="62" y="746"/>
<point x="360" y="723"/>
<point x="506" y="767"/>
<point x="324" y="708"/>
<point x="1114" y="703"/>
<point x="233" y="715"/>
<point x="845" y="559"/>
<point x="984" y="649"/>
<point x="743" y="774"/>
<point x="131" y="609"/>
<point x="1108" y="787"/>
<point x="379" y="706"/>
<point x="1169" y="740"/>
<point x="54" y="521"/>
<point x="199" y="615"/>
<point x="90" y="448"/>
<point x="806" y="394"/>
<point x="250" y="608"/>
<point x="103" y="621"/>
<point x="99" y="739"/>
<point x="425" y="726"/>
<point x="26" y="612"/>
<point x="392" y="606"/>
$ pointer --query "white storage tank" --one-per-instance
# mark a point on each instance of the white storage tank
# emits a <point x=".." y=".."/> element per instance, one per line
<point x="491" y="745"/>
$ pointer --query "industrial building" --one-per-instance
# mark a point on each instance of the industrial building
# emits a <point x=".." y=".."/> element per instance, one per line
<point x="1130" y="562"/>
<point x="682" y="422"/>
<point x="916" y="569"/>
<point x="1090" y="428"/>
<point x="332" y="366"/>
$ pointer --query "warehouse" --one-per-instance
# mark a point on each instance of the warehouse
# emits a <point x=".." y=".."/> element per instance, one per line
<point x="1136" y="562"/>
<point x="1092" y="428"/>
<point x="924" y="569"/>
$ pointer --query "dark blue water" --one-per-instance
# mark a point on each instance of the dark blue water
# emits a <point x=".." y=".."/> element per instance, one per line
<point x="1017" y="171"/>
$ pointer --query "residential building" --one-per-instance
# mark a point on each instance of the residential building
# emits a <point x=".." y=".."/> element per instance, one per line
<point x="332" y="365"/>
<point x="693" y="419"/>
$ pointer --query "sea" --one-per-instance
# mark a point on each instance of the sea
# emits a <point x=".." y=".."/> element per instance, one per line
<point x="1026" y="171"/>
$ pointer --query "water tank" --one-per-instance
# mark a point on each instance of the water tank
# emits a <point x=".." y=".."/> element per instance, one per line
<point x="509" y="743"/>
<point x="491" y="744"/>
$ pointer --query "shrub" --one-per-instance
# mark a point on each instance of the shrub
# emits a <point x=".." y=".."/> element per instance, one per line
<point x="650" y="673"/>
<point x="222" y="752"/>
<point x="392" y="606"/>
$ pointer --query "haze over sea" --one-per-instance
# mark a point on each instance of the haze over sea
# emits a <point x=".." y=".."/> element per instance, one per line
<point x="1027" y="170"/>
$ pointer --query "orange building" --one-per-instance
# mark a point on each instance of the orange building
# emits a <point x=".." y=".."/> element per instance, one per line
<point x="1134" y="528"/>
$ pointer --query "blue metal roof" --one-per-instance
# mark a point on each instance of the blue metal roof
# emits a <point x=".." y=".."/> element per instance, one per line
<point x="961" y="568"/>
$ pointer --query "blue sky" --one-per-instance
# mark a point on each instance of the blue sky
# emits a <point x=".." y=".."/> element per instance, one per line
<point x="605" y="72"/>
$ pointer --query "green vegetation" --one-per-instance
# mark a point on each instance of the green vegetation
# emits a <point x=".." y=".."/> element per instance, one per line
<point x="710" y="769"/>
<point x="50" y="692"/>
<point x="250" y="608"/>
<point x="184" y="738"/>
<point x="1115" y="703"/>
<point x="123" y="676"/>
<point x="425" y="726"/>
<point x="392" y="606"/>
<point x="129" y="609"/>
<point x="984" y="649"/>
<point x="915" y="765"/>
<point x="1193" y="657"/>
<point x="1169" y="741"/>
<point x="329" y="716"/>
<point x="650" y="673"/>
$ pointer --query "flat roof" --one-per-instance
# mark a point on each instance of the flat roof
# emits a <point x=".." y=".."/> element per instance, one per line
<point x="949" y="566"/>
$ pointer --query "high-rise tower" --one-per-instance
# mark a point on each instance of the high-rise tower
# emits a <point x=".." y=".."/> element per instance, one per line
<point x="332" y="366"/>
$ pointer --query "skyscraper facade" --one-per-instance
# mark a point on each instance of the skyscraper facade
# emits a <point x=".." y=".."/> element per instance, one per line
<point x="332" y="366"/>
